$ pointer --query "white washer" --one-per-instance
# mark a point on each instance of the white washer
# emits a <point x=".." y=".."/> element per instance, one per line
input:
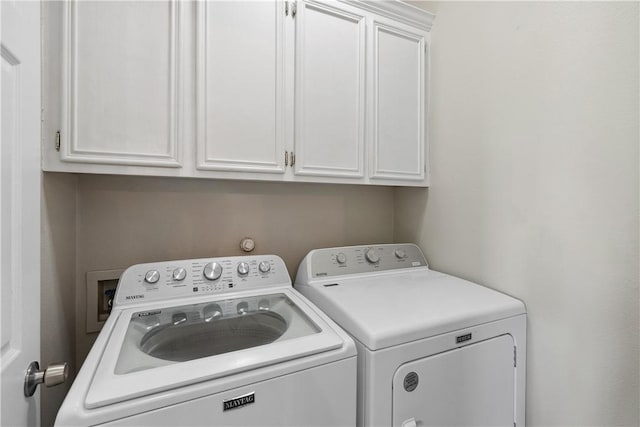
<point x="433" y="350"/>
<point x="219" y="342"/>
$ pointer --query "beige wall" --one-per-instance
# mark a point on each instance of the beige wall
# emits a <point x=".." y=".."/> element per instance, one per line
<point x="57" y="295"/>
<point x="534" y="155"/>
<point x="95" y="222"/>
<point x="127" y="220"/>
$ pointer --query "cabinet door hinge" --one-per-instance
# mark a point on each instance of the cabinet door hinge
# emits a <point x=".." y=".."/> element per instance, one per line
<point x="286" y="8"/>
<point x="57" y="140"/>
<point x="515" y="358"/>
<point x="293" y="159"/>
<point x="286" y="159"/>
<point x="294" y="9"/>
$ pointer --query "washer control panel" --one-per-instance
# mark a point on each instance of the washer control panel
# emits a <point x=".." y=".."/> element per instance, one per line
<point x="177" y="279"/>
<point x="362" y="259"/>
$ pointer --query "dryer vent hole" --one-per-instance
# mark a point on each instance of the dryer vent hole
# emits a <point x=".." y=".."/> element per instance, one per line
<point x="411" y="381"/>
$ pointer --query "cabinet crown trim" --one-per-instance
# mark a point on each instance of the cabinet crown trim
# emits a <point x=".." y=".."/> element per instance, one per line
<point x="397" y="10"/>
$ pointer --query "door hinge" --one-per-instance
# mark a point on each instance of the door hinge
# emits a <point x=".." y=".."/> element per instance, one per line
<point x="286" y="159"/>
<point x="515" y="358"/>
<point x="286" y="8"/>
<point x="293" y="159"/>
<point x="294" y="9"/>
<point x="57" y="140"/>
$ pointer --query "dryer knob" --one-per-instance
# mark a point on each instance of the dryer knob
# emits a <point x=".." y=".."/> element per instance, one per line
<point x="400" y="253"/>
<point x="341" y="258"/>
<point x="372" y="256"/>
<point x="212" y="271"/>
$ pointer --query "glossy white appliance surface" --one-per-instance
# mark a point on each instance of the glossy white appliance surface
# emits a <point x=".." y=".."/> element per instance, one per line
<point x="433" y="349"/>
<point x="185" y="338"/>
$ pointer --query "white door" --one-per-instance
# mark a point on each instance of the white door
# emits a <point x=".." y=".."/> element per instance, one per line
<point x="330" y="90"/>
<point x="241" y="86"/>
<point x="470" y="386"/>
<point x="398" y="106"/>
<point x="20" y="178"/>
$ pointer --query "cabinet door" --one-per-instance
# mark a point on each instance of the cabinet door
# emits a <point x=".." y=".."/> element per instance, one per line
<point x="120" y="99"/>
<point x="398" y="110"/>
<point x="330" y="91"/>
<point x="240" y="86"/>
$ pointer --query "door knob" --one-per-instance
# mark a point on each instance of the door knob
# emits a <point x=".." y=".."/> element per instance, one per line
<point x="55" y="374"/>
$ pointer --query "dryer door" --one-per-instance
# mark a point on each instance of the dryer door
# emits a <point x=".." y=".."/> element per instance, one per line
<point x="468" y="386"/>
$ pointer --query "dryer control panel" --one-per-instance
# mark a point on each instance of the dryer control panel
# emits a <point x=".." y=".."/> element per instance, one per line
<point x="206" y="276"/>
<point x="361" y="259"/>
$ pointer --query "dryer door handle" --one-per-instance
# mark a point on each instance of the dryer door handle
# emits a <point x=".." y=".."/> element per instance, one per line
<point x="411" y="422"/>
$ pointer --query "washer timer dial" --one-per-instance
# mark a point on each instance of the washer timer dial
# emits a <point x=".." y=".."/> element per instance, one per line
<point x="212" y="271"/>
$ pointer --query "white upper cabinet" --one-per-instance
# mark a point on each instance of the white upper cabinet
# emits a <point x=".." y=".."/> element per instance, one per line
<point x="398" y="102"/>
<point x="120" y="83"/>
<point x="240" y="86"/>
<point x="330" y="90"/>
<point x="309" y="90"/>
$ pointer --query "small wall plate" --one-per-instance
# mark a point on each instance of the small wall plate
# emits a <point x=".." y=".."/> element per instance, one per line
<point x="97" y="283"/>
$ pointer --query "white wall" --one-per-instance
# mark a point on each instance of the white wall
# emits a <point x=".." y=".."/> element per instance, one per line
<point x="534" y="156"/>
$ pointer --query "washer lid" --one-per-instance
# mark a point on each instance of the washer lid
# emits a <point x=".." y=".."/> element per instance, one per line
<point x="391" y="308"/>
<point x="153" y="347"/>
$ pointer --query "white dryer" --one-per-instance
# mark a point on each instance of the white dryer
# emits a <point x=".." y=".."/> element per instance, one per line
<point x="433" y="350"/>
<point x="216" y="342"/>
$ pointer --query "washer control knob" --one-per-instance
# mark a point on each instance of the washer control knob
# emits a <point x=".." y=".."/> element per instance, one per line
<point x="152" y="276"/>
<point x="264" y="267"/>
<point x="341" y="258"/>
<point x="372" y="256"/>
<point x="212" y="271"/>
<point x="243" y="268"/>
<point x="179" y="274"/>
<point x="400" y="253"/>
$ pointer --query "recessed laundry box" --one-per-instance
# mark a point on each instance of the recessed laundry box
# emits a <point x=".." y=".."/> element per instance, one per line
<point x="216" y="342"/>
<point x="433" y="349"/>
